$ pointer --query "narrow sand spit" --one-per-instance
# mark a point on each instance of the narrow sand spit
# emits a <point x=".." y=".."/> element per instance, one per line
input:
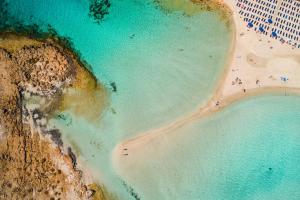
<point x="256" y="64"/>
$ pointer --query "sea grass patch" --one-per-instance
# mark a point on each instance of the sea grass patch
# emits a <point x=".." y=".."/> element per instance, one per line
<point x="193" y="7"/>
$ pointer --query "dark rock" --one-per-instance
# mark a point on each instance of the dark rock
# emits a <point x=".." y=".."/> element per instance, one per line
<point x="98" y="9"/>
<point x="55" y="136"/>
<point x="72" y="156"/>
<point x="114" y="86"/>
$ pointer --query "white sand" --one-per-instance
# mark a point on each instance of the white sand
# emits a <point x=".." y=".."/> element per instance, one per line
<point x="259" y="57"/>
<point x="257" y="60"/>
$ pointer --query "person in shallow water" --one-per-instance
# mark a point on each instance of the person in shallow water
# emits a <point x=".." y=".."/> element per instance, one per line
<point x="114" y="86"/>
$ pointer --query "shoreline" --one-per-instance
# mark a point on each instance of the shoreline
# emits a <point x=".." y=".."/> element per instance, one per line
<point x="226" y="94"/>
<point x="181" y="121"/>
<point x="40" y="72"/>
<point x="203" y="112"/>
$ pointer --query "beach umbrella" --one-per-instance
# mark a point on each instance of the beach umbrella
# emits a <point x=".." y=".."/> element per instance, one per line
<point x="274" y="34"/>
<point x="270" y="21"/>
<point x="261" y="29"/>
<point x="250" y="25"/>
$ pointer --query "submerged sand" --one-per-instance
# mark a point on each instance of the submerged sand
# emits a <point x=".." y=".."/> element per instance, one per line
<point x="252" y="68"/>
<point x="255" y="65"/>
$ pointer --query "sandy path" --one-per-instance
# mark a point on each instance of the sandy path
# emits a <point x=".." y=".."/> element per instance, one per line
<point x="255" y="66"/>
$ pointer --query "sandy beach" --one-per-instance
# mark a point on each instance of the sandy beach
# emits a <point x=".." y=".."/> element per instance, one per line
<point x="154" y="126"/>
<point x="256" y="64"/>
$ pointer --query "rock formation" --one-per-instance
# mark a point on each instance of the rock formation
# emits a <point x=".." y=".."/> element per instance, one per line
<point x="33" y="163"/>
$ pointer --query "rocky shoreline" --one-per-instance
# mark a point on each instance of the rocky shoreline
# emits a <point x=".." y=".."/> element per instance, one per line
<point x="36" y="80"/>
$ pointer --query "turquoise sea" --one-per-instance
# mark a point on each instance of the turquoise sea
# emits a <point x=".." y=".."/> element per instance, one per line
<point x="248" y="151"/>
<point x="164" y="66"/>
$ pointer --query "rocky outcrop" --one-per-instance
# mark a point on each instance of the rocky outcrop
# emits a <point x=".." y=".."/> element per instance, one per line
<point x="44" y="69"/>
<point x="33" y="164"/>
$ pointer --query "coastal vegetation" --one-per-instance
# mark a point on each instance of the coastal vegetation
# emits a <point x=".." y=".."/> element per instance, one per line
<point x="99" y="9"/>
<point x="131" y="191"/>
<point x="193" y="7"/>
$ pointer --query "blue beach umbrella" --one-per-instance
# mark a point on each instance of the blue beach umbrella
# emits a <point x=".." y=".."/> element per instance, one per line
<point x="250" y="25"/>
<point x="274" y="34"/>
<point x="270" y="21"/>
<point x="261" y="29"/>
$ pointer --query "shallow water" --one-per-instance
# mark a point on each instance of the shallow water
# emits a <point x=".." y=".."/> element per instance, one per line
<point x="163" y="65"/>
<point x="250" y="150"/>
<point x="148" y="54"/>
